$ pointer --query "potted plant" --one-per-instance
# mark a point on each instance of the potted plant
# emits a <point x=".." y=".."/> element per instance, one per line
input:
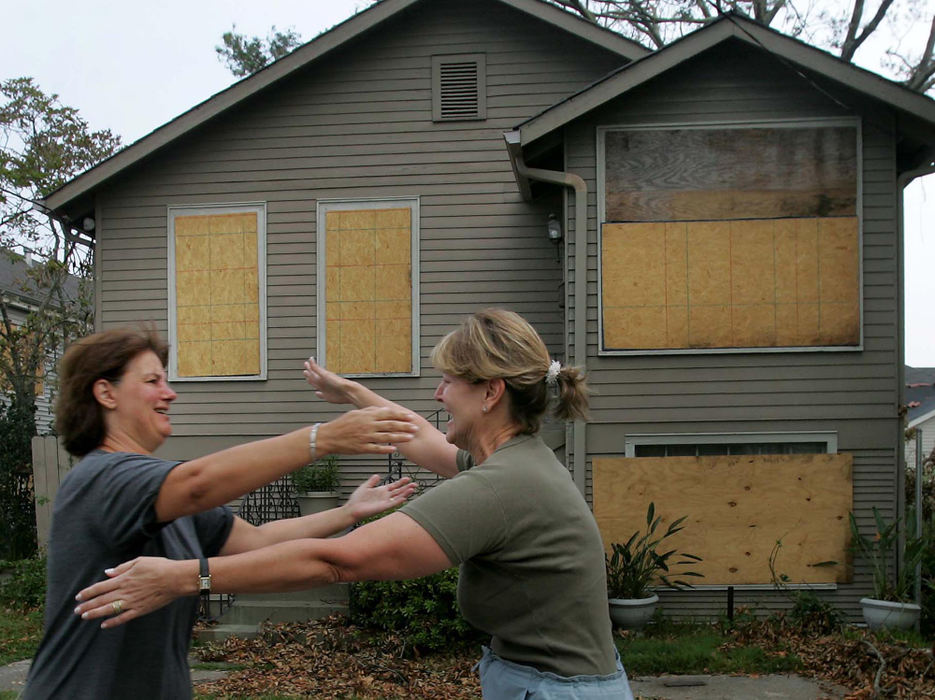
<point x="891" y="604"/>
<point x="634" y="567"/>
<point x="316" y="485"/>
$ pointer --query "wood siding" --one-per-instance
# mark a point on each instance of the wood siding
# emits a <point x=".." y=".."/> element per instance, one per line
<point x="358" y="123"/>
<point x="853" y="393"/>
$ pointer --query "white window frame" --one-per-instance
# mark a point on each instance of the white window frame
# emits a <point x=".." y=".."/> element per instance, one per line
<point x="326" y="205"/>
<point x="259" y="208"/>
<point x="745" y="124"/>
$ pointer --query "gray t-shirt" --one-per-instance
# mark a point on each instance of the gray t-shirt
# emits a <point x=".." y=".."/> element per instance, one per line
<point x="532" y="562"/>
<point x="104" y="515"/>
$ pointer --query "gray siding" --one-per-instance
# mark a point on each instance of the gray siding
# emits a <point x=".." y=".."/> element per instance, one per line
<point x="357" y="124"/>
<point x="854" y="393"/>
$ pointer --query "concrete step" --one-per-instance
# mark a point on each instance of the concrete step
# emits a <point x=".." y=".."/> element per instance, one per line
<point x="256" y="612"/>
<point x="218" y="633"/>
<point x="336" y="591"/>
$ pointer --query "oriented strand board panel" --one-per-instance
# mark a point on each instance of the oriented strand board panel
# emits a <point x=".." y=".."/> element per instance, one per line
<point x="737" y="508"/>
<point x="730" y="284"/>
<point x="730" y="173"/>
<point x="369" y="291"/>
<point x="217" y="294"/>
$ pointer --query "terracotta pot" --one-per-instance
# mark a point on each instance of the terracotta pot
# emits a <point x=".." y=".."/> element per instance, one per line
<point x="632" y="613"/>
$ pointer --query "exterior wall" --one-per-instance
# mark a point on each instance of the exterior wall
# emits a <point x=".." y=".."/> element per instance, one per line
<point x="852" y="393"/>
<point x="357" y="124"/>
<point x="927" y="428"/>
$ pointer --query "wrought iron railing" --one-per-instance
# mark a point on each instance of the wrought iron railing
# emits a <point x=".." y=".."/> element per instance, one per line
<point x="397" y="466"/>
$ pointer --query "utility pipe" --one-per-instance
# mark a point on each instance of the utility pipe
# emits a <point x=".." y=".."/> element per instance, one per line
<point x="577" y="183"/>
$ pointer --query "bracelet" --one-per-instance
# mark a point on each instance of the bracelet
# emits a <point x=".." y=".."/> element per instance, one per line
<point x="204" y="578"/>
<point x="312" y="436"/>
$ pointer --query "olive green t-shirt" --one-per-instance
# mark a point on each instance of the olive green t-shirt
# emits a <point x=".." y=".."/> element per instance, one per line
<point x="531" y="558"/>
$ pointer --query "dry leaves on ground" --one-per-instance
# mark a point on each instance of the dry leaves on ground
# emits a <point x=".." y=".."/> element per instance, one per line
<point x="870" y="663"/>
<point x="331" y="659"/>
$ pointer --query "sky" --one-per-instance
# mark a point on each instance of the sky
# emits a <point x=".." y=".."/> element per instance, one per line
<point x="133" y="66"/>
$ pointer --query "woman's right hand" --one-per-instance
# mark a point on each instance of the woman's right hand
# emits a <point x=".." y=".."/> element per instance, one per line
<point x="328" y="385"/>
<point x="373" y="430"/>
<point x="135" y="588"/>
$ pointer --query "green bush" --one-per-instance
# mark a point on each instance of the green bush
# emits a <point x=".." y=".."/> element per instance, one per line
<point x="23" y="584"/>
<point x="320" y="475"/>
<point x="423" y="612"/>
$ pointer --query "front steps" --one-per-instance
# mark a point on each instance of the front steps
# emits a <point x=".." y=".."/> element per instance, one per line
<point x="249" y="611"/>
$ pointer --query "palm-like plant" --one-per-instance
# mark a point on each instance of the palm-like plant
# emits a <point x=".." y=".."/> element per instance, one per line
<point x="634" y="566"/>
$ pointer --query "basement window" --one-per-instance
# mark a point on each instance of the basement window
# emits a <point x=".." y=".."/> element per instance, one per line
<point x="710" y="444"/>
<point x="459" y="87"/>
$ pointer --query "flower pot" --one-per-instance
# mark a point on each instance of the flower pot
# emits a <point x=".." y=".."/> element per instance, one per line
<point x="632" y="613"/>
<point x="885" y="613"/>
<point x="316" y="501"/>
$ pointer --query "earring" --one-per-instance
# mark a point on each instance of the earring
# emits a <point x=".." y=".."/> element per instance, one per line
<point x="483" y="408"/>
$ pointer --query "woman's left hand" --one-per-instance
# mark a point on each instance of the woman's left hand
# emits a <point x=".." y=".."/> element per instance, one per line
<point x="135" y="588"/>
<point x="369" y="499"/>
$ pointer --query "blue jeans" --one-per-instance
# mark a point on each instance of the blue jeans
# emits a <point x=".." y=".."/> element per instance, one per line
<point x="504" y="680"/>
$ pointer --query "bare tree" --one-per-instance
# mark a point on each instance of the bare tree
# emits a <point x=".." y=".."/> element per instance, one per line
<point x="836" y="26"/>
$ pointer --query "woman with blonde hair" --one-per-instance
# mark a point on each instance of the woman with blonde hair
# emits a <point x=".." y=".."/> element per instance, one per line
<point x="530" y="554"/>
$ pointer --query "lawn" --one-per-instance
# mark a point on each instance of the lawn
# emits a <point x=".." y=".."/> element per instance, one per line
<point x="20" y="632"/>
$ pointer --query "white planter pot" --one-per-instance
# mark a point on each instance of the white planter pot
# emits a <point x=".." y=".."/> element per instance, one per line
<point x="885" y="613"/>
<point x="632" y="613"/>
<point x="316" y="501"/>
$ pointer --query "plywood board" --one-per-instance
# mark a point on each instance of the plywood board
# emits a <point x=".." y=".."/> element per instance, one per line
<point x="738" y="507"/>
<point x="217" y="295"/>
<point x="719" y="174"/>
<point x="369" y="291"/>
<point x="730" y="284"/>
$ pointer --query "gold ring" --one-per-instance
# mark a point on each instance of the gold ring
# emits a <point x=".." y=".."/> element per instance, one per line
<point x="117" y="605"/>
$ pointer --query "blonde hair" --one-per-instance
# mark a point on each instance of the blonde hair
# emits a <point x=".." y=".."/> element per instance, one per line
<point x="500" y="344"/>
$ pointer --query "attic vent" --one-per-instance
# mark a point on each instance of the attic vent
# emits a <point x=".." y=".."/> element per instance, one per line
<point x="459" y="87"/>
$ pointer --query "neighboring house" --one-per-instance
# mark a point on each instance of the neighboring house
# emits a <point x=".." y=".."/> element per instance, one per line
<point x="20" y="303"/>
<point x="729" y="272"/>
<point x="920" y="410"/>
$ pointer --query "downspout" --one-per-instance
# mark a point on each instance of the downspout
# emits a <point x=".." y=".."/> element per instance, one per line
<point x="580" y="249"/>
<point x="902" y="181"/>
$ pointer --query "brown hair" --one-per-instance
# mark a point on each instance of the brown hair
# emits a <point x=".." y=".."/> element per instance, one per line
<point x="500" y="344"/>
<point x="79" y="418"/>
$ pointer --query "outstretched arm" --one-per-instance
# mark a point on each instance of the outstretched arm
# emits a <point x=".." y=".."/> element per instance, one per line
<point x="216" y="479"/>
<point x="394" y="547"/>
<point x="367" y="499"/>
<point x="428" y="448"/>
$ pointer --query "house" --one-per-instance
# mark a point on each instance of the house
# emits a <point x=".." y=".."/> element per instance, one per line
<point x="21" y="300"/>
<point x="920" y="410"/>
<point x="712" y="230"/>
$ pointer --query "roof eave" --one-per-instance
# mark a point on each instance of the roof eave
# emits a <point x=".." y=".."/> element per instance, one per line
<point x="352" y="27"/>
<point x="643" y="70"/>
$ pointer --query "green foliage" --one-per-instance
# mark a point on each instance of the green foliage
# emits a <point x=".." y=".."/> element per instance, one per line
<point x="24" y="582"/>
<point x="17" y="508"/>
<point x="245" y="56"/>
<point x="633" y="567"/>
<point x="813" y="615"/>
<point x="320" y="475"/>
<point x="423" y="612"/>
<point x="880" y="551"/>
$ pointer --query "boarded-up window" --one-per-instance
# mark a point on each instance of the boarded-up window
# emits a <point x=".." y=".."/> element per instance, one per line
<point x="216" y="293"/>
<point x="730" y="238"/>
<point x="367" y="304"/>
<point x="737" y="507"/>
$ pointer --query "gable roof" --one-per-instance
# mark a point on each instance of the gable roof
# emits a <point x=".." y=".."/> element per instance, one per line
<point x="725" y="28"/>
<point x="82" y="186"/>
<point x="13" y="276"/>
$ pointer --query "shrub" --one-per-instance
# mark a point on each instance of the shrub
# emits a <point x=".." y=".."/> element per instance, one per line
<point x="423" y="612"/>
<point x="24" y="584"/>
<point x="320" y="475"/>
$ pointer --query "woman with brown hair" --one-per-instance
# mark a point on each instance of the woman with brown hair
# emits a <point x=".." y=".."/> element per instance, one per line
<point x="119" y="501"/>
<point x="530" y="554"/>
